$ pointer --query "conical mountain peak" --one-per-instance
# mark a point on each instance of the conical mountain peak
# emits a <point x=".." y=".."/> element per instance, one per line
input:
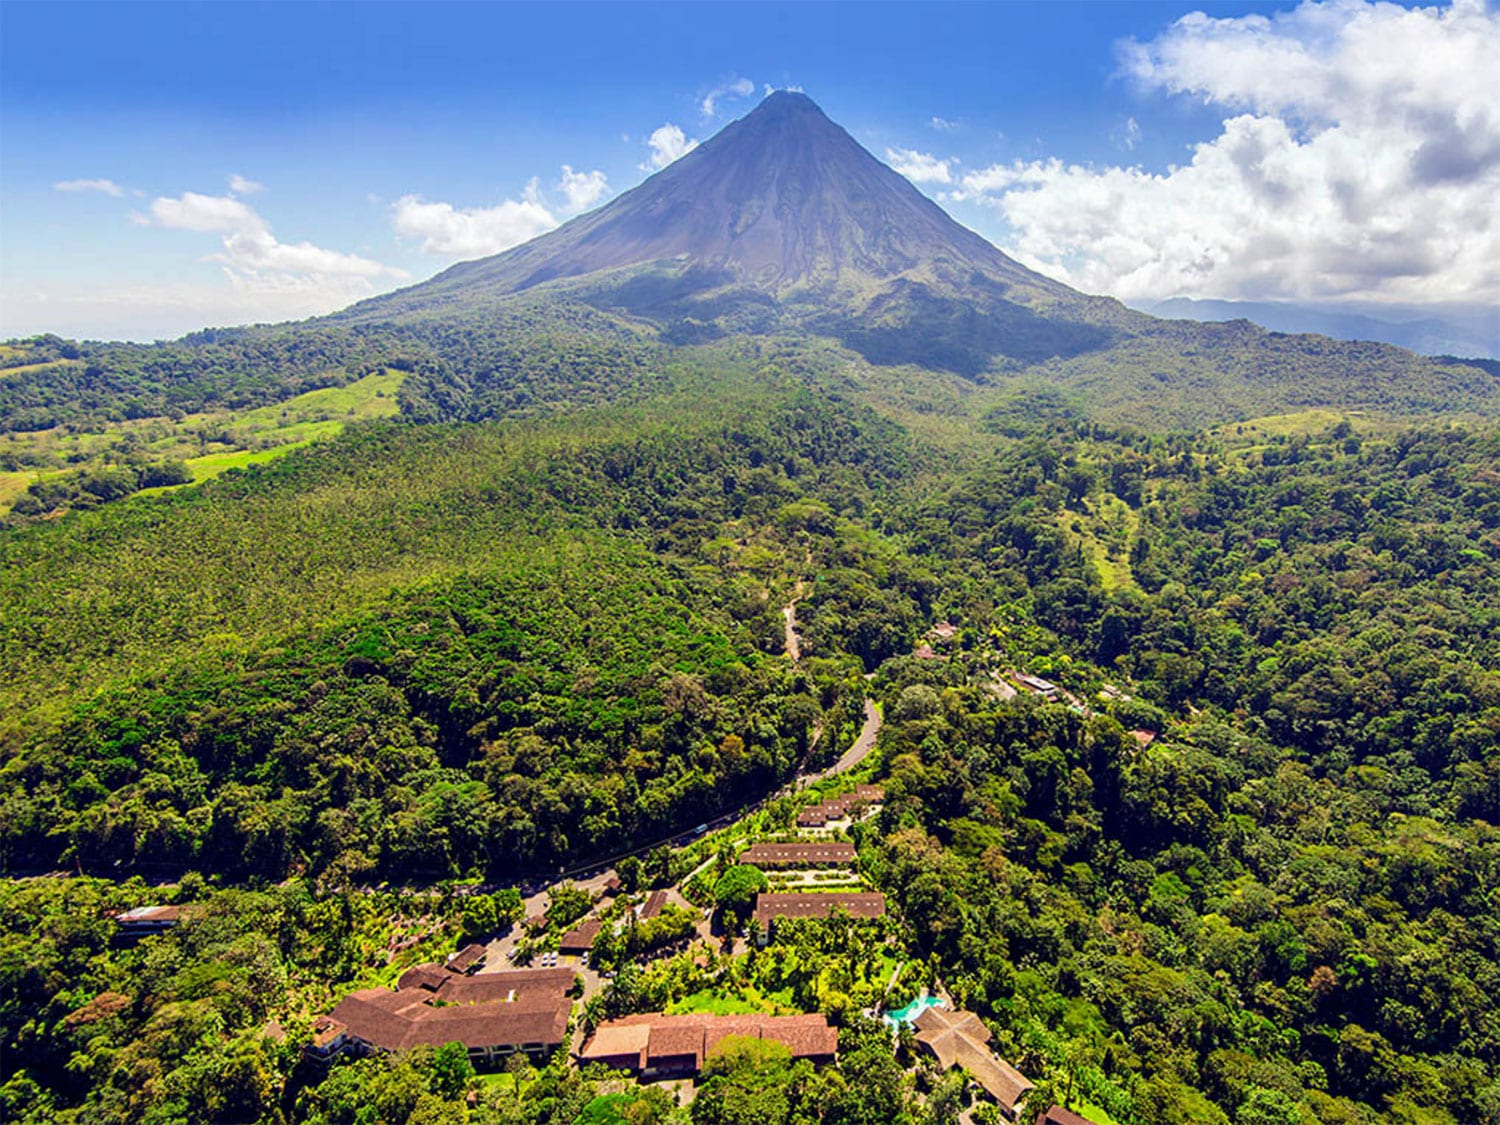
<point x="782" y="200"/>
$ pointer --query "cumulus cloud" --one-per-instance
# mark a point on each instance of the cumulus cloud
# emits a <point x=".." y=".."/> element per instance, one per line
<point x="108" y="187"/>
<point x="667" y="144"/>
<point x="1358" y="157"/>
<point x="477" y="232"/>
<point x="472" y="232"/>
<point x="734" y="89"/>
<point x="919" y="167"/>
<point x="581" y="190"/>
<point x="239" y="185"/>
<point x="255" y="260"/>
<point x="203" y="213"/>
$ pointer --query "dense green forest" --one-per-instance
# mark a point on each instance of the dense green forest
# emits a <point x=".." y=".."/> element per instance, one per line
<point x="489" y="648"/>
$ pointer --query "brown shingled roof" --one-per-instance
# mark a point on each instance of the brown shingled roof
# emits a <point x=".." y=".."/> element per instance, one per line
<point x="429" y="976"/>
<point x="1057" y="1115"/>
<point x="769" y="907"/>
<point x="466" y="958"/>
<point x="490" y="1010"/>
<point x="960" y="1039"/>
<point x="654" y="904"/>
<point x="834" y="808"/>
<point x="796" y="855"/>
<point x="654" y="1040"/>
<point x="580" y="939"/>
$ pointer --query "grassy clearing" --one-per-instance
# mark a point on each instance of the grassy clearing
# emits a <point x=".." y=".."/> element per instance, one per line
<point x="28" y="368"/>
<point x="1105" y="533"/>
<point x="12" y="485"/>
<point x="719" y="1003"/>
<point x="1314" y="421"/>
<point x="209" y="444"/>
<point x="374" y="396"/>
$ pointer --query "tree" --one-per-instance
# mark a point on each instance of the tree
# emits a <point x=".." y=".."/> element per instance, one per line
<point x="450" y="1070"/>
<point x="629" y="872"/>
<point x="735" y="892"/>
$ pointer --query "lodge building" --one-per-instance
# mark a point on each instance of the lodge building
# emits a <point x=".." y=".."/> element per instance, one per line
<point x="654" y="1045"/>
<point x="494" y="1015"/>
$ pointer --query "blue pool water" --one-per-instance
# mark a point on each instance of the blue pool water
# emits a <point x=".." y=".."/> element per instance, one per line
<point x="910" y="1013"/>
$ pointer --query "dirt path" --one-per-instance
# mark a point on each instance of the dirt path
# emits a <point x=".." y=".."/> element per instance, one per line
<point x="793" y="641"/>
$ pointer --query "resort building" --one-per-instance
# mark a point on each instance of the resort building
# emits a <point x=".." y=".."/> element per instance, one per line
<point x="771" y="907"/>
<point x="1057" y="1115"/>
<point x="654" y="1045"/>
<point x="832" y="854"/>
<point x="493" y="1015"/>
<point x="467" y="960"/>
<point x="145" y="920"/>
<point x="580" y="939"/>
<point x="843" y="807"/>
<point x="961" y="1039"/>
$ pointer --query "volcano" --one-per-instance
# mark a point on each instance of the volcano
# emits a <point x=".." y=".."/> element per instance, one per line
<point x="783" y="225"/>
<point x="783" y="218"/>
<point x="781" y="199"/>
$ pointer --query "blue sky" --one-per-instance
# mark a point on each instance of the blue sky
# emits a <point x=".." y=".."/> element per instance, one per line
<point x="1322" y="150"/>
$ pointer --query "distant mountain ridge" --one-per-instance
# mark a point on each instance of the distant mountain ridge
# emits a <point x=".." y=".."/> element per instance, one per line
<point x="1472" y="336"/>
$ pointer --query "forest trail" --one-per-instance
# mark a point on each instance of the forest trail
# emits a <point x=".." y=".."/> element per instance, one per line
<point x="789" y="614"/>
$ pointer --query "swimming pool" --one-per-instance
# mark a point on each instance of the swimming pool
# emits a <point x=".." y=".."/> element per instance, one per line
<point x="910" y="1013"/>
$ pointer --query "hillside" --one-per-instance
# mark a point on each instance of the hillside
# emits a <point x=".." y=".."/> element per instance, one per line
<point x="359" y="639"/>
<point x="780" y="229"/>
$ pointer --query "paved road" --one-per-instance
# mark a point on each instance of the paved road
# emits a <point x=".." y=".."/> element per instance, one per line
<point x="860" y="749"/>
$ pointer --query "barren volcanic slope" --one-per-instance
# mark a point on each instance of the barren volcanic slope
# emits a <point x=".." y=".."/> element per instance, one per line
<point x="783" y="200"/>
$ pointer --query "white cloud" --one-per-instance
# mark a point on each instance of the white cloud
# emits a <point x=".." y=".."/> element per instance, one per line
<point x="239" y="185"/>
<point x="108" y="187"/>
<point x="919" y="167"/>
<point x="257" y="253"/>
<point x="477" y="232"/>
<point x="254" y="260"/>
<point x="581" y="189"/>
<point x="202" y="213"/>
<point x="667" y="144"/>
<point x="1359" y="157"/>
<point x="1127" y="135"/>
<point x="472" y="232"/>
<point x="943" y="125"/>
<point x="733" y="89"/>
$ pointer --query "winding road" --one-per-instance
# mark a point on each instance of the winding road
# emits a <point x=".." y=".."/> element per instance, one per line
<point x="858" y="750"/>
